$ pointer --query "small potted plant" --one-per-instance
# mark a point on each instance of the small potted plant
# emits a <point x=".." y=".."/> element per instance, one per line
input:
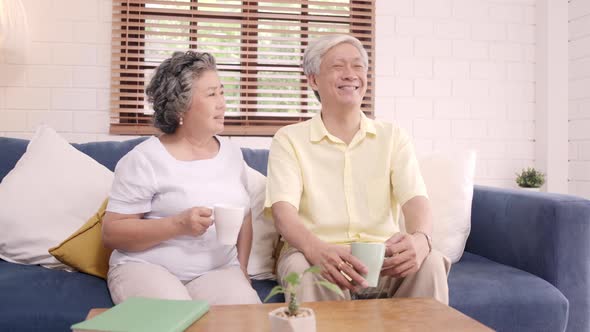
<point x="294" y="318"/>
<point x="530" y="179"/>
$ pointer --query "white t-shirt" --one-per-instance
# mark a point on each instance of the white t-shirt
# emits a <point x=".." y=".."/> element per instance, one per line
<point x="149" y="180"/>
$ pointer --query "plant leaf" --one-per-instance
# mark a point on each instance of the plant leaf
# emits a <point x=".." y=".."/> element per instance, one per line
<point x="274" y="291"/>
<point x="331" y="287"/>
<point x="313" y="269"/>
<point x="293" y="279"/>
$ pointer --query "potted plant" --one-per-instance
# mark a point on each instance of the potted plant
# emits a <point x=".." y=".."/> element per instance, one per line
<point x="530" y="179"/>
<point x="294" y="318"/>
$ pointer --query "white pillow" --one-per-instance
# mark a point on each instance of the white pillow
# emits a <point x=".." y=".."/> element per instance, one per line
<point x="449" y="181"/>
<point x="265" y="236"/>
<point x="52" y="191"/>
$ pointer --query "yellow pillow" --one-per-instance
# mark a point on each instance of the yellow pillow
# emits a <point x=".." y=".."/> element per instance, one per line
<point x="83" y="250"/>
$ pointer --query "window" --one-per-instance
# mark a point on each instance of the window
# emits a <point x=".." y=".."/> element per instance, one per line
<point x="258" y="46"/>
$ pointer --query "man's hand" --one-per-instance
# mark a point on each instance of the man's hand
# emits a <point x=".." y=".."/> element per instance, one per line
<point x="405" y="254"/>
<point x="194" y="221"/>
<point x="337" y="263"/>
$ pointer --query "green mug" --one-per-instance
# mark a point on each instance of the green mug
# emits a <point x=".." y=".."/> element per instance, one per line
<point x="371" y="254"/>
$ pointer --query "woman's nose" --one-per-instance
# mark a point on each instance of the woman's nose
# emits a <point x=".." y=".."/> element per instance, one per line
<point x="220" y="102"/>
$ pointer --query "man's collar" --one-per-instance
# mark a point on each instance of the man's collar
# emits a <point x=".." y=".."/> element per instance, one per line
<point x="318" y="130"/>
<point x="367" y="125"/>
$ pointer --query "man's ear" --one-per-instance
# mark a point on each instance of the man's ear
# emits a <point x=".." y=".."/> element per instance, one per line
<point x="312" y="82"/>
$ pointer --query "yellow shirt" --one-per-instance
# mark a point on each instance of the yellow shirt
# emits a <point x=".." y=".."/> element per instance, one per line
<point x="344" y="193"/>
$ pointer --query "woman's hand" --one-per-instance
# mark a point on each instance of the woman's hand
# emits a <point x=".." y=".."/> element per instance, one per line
<point x="195" y="220"/>
<point x="245" y="272"/>
<point x="244" y="244"/>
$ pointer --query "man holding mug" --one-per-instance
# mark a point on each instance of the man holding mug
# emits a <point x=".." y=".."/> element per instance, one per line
<point x="339" y="178"/>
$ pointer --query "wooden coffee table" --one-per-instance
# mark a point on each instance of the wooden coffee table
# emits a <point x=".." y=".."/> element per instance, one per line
<point x="404" y="314"/>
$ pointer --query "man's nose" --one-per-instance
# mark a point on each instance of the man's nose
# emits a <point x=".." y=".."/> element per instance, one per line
<point x="348" y="73"/>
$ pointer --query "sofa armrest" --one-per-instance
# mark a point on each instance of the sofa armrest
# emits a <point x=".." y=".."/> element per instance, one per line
<point x="545" y="234"/>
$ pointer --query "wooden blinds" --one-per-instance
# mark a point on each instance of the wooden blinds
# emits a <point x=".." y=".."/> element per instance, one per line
<point x="258" y="46"/>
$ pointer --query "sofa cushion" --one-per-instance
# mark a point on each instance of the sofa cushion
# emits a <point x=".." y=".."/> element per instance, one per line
<point x="38" y="299"/>
<point x="52" y="190"/>
<point x="448" y="177"/>
<point x="505" y="298"/>
<point x="34" y="298"/>
<point x="449" y="181"/>
<point x="84" y="250"/>
<point x="264" y="234"/>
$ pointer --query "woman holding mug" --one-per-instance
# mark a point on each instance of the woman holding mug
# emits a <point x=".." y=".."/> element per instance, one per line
<point x="158" y="218"/>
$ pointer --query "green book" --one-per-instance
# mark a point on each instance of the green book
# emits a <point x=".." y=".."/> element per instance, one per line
<point x="138" y="314"/>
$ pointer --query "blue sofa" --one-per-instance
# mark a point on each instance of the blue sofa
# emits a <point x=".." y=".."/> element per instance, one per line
<point x="526" y="266"/>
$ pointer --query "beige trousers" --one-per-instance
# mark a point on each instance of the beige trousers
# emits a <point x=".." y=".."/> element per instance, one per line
<point x="429" y="281"/>
<point x="223" y="286"/>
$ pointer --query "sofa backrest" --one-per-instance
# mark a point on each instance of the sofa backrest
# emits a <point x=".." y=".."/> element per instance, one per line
<point x="256" y="158"/>
<point x="11" y="149"/>
<point x="106" y="153"/>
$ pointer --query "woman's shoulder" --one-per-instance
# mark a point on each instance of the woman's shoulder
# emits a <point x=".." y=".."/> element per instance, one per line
<point x="150" y="147"/>
<point x="228" y="147"/>
<point x="141" y="152"/>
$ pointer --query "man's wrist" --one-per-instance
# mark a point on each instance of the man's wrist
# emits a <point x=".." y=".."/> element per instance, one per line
<point x="311" y="246"/>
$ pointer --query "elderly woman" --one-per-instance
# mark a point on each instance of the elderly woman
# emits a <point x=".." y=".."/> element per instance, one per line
<point x="158" y="218"/>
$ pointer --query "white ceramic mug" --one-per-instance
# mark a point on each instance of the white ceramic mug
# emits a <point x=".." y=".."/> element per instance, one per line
<point x="372" y="255"/>
<point x="228" y="222"/>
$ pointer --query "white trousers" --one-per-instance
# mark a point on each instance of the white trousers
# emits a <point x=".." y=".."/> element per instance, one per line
<point x="224" y="286"/>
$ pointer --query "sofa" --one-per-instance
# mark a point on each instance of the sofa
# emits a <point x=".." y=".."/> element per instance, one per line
<point x="526" y="265"/>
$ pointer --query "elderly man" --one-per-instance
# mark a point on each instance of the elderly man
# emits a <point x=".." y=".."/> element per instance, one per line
<point x="341" y="177"/>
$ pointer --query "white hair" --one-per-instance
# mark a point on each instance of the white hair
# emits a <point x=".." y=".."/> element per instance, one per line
<point x="312" y="58"/>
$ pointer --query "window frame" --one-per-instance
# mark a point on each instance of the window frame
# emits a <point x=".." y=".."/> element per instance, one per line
<point x="130" y="33"/>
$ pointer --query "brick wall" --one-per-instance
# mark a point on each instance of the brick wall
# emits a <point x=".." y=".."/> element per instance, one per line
<point x="454" y="73"/>
<point x="460" y="73"/>
<point x="579" y="98"/>
<point x="63" y="79"/>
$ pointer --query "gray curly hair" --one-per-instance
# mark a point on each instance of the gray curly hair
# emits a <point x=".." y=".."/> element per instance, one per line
<point x="312" y="58"/>
<point x="170" y="90"/>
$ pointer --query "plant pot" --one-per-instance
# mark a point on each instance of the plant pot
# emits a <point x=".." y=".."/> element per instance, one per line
<point x="531" y="189"/>
<point x="292" y="324"/>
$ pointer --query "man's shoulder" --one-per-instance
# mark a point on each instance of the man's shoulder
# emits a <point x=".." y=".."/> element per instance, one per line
<point x="389" y="130"/>
<point x="294" y="131"/>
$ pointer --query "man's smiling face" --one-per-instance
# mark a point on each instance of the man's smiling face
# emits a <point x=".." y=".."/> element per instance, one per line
<point x="342" y="79"/>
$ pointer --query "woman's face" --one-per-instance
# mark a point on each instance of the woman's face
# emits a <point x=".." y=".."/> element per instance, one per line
<point x="208" y="104"/>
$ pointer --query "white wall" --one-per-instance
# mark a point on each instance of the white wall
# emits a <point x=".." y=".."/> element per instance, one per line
<point x="63" y="78"/>
<point x="454" y="73"/>
<point x="551" y="93"/>
<point x="579" y="97"/>
<point x="461" y="73"/>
